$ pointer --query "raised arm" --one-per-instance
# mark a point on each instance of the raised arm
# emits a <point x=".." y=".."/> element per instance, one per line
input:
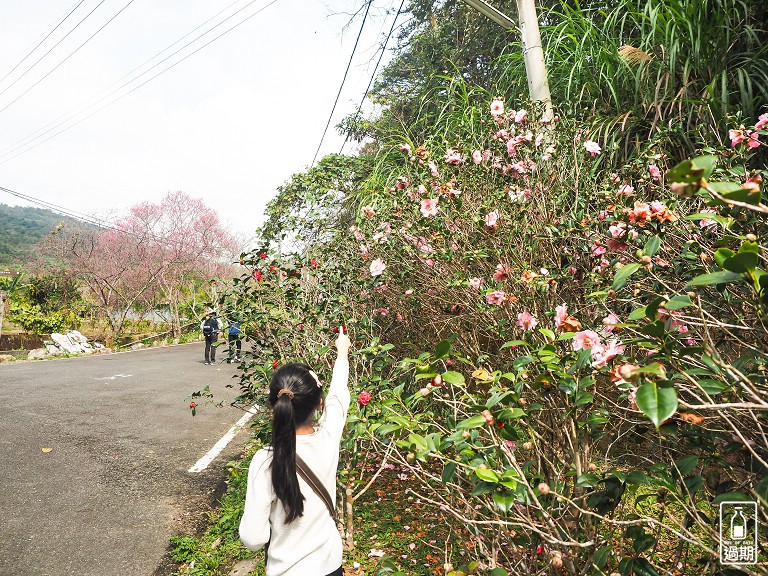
<point x="337" y="401"/>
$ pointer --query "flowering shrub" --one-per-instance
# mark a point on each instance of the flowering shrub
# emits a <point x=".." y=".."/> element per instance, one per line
<point x="568" y="356"/>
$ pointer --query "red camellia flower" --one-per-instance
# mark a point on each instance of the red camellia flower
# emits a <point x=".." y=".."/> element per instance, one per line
<point x="364" y="398"/>
<point x="192" y="405"/>
<point x="258" y="276"/>
<point x="314" y="263"/>
<point x="275" y="364"/>
<point x="263" y="256"/>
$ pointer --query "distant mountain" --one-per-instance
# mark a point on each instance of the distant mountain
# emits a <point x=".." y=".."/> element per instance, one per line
<point x="21" y="227"/>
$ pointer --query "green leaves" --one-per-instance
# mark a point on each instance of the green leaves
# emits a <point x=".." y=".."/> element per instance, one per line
<point x="657" y="403"/>
<point x="623" y="275"/>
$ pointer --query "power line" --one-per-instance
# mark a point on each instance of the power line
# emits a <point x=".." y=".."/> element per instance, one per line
<point x="41" y="41"/>
<point x="14" y="149"/>
<point x="376" y="68"/>
<point x="67" y="58"/>
<point x="354" y="48"/>
<point x="82" y="108"/>
<point x="51" y="48"/>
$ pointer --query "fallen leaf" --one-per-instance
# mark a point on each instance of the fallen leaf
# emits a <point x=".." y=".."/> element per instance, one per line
<point x="46" y="450"/>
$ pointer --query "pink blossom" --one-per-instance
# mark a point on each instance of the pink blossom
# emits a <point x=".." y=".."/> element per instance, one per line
<point x="526" y="321"/>
<point x="654" y="171"/>
<point x="409" y="292"/>
<point x="383" y="312"/>
<point x="616" y="245"/>
<point x="618" y="230"/>
<point x="492" y="218"/>
<point x="640" y="213"/>
<point x="363" y="399"/>
<point x="497" y="297"/>
<point x="753" y="141"/>
<point x="477" y="156"/>
<point x="501" y="273"/>
<point x="736" y="136"/>
<point x="657" y="206"/>
<point x="610" y="322"/>
<point x="359" y="236"/>
<point x="561" y="313"/>
<point x="364" y="250"/>
<point x="497" y="107"/>
<point x="476" y="283"/>
<point x="762" y="121"/>
<point x="520" y="115"/>
<point x="602" y="354"/>
<point x="377" y="267"/>
<point x="433" y="170"/>
<point x="626" y="190"/>
<point x="402" y="183"/>
<point x="598" y="250"/>
<point x="592" y="147"/>
<point x="406" y="149"/>
<point x="367" y="211"/>
<point x="429" y="262"/>
<point x="453" y="157"/>
<point x="585" y="339"/>
<point x="517" y="195"/>
<point x="511" y="147"/>
<point x="429" y="207"/>
<point x="539" y="139"/>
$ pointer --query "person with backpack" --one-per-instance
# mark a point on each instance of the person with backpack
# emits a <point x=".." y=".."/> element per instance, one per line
<point x="234" y="340"/>
<point x="290" y="500"/>
<point x="210" y="326"/>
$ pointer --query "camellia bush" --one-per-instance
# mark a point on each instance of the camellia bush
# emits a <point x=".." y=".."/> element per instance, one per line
<point x="568" y="355"/>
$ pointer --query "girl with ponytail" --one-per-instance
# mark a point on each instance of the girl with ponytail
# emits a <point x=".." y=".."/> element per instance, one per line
<point x="281" y="509"/>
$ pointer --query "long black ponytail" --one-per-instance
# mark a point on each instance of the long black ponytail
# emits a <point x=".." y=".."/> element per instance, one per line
<point x="294" y="394"/>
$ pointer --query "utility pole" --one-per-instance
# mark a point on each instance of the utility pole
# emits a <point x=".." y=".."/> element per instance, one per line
<point x="533" y="52"/>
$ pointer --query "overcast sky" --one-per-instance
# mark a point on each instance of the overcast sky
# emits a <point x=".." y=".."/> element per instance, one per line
<point x="228" y="124"/>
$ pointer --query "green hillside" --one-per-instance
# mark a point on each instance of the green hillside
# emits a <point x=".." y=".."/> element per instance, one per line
<point x="21" y="227"/>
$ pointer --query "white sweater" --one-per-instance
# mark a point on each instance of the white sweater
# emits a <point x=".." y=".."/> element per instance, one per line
<point x="310" y="545"/>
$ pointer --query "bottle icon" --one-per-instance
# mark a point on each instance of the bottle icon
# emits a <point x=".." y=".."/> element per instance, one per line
<point x="738" y="525"/>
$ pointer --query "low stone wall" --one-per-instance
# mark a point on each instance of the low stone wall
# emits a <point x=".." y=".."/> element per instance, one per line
<point x="22" y="341"/>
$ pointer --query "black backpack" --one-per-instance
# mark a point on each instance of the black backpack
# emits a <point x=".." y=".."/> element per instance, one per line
<point x="210" y="326"/>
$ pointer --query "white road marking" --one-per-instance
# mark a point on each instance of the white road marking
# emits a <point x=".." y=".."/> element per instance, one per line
<point x="203" y="463"/>
<point x="115" y="376"/>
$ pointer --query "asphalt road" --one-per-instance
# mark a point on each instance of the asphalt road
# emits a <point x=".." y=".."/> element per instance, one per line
<point x="114" y="486"/>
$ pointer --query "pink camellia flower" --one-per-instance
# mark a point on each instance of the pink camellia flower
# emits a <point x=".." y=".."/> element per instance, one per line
<point x="753" y="141"/>
<point x="585" y="339"/>
<point x="598" y="250"/>
<point x="497" y="107"/>
<point x="618" y="230"/>
<point x="492" y="219"/>
<point x="409" y="292"/>
<point x="762" y="121"/>
<point x="477" y="156"/>
<point x="501" y="273"/>
<point x="476" y="283"/>
<point x="592" y="147"/>
<point x="433" y="170"/>
<point x="367" y="211"/>
<point x="520" y="116"/>
<point x="602" y="354"/>
<point x="429" y="262"/>
<point x="406" y="149"/>
<point x="640" y="214"/>
<point x="377" y="267"/>
<point x="511" y="147"/>
<point x="626" y="190"/>
<point x="453" y="157"/>
<point x="736" y="136"/>
<point x="428" y="207"/>
<point x="561" y="313"/>
<point x="364" y="250"/>
<point x="402" y="183"/>
<point x="357" y="232"/>
<point x="655" y="172"/>
<point x="497" y="297"/>
<point x="526" y="321"/>
<point x="657" y="206"/>
<point x="610" y="322"/>
<point x="364" y="398"/>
